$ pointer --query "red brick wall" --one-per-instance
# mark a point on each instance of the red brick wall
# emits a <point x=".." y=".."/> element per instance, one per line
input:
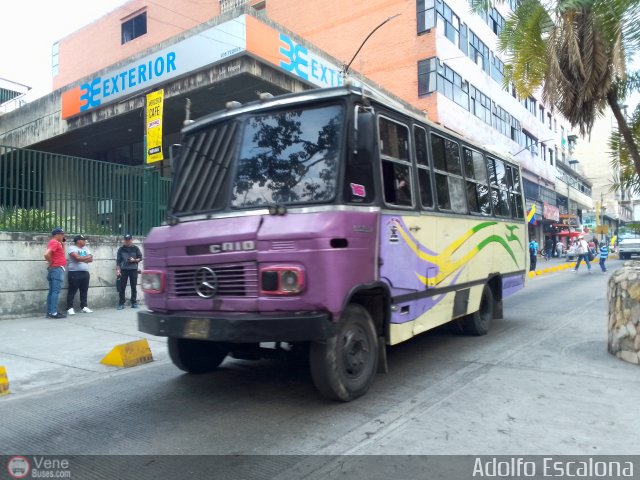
<point x="98" y="46"/>
<point x="338" y="27"/>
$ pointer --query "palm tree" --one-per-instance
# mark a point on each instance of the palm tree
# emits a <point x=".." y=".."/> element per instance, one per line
<point x="577" y="51"/>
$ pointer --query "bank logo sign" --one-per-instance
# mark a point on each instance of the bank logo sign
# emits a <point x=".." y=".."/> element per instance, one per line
<point x="197" y="51"/>
<point x="245" y="33"/>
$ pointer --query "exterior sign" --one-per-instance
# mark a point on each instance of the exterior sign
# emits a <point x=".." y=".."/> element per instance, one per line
<point x="551" y="213"/>
<point x="244" y="33"/>
<point x="180" y="58"/>
<point x="281" y="50"/>
<point x="155" y="102"/>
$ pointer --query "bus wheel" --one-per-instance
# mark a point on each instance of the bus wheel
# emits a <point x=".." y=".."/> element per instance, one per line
<point x="196" y="356"/>
<point x="478" y="322"/>
<point x="344" y="366"/>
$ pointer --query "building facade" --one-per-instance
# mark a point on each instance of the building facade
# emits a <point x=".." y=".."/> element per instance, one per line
<point x="438" y="56"/>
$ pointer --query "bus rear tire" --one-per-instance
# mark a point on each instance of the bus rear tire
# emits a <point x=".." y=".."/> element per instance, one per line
<point x="344" y="366"/>
<point x="477" y="323"/>
<point x="196" y="356"/>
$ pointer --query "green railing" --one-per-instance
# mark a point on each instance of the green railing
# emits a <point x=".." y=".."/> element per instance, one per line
<point x="40" y="190"/>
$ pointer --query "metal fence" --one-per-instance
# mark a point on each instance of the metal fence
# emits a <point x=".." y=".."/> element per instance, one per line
<point x="40" y="190"/>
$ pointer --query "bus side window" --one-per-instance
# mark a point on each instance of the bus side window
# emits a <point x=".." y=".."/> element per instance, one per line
<point x="450" y="188"/>
<point x="424" y="172"/>
<point x="515" y="194"/>
<point x="499" y="187"/>
<point x="475" y="172"/>
<point x="396" y="163"/>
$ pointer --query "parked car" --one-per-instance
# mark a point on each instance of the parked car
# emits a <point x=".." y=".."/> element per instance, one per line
<point x="629" y="246"/>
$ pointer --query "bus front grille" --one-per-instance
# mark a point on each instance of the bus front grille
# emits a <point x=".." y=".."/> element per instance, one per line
<point x="236" y="280"/>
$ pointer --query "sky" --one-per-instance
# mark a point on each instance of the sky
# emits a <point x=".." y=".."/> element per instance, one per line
<point x="29" y="28"/>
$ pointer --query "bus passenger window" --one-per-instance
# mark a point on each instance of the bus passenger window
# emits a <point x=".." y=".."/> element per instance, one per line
<point x="397" y="184"/>
<point x="450" y="187"/>
<point x="422" y="159"/>
<point x="499" y="185"/>
<point x="475" y="172"/>
<point x="396" y="166"/>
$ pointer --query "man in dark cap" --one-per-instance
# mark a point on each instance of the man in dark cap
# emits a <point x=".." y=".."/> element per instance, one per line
<point x="54" y="255"/>
<point x="127" y="260"/>
<point x="79" y="259"/>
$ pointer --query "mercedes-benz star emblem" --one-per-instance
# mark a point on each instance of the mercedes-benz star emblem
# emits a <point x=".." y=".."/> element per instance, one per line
<point x="206" y="282"/>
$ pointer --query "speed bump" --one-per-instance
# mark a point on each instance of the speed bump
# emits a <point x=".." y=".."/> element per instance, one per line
<point x="129" y="354"/>
<point x="4" y="381"/>
<point x="532" y="274"/>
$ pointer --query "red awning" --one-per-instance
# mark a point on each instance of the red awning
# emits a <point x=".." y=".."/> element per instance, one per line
<point x="569" y="234"/>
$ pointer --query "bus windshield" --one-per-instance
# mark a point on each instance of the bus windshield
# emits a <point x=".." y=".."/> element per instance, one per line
<point x="289" y="157"/>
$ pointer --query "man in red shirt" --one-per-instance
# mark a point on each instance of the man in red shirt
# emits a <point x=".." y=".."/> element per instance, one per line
<point x="55" y="257"/>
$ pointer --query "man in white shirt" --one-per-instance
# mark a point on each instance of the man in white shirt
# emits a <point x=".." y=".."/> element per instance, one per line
<point x="79" y="259"/>
<point x="583" y="253"/>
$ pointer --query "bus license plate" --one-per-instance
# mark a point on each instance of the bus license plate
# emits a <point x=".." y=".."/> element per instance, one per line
<point x="197" y="328"/>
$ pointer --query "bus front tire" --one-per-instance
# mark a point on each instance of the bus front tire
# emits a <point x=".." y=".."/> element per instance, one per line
<point x="477" y="323"/>
<point x="196" y="356"/>
<point x="343" y="367"/>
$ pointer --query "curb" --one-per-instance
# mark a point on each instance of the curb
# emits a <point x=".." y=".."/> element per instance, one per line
<point x="556" y="268"/>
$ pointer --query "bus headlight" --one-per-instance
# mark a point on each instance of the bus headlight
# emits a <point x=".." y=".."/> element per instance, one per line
<point x="153" y="281"/>
<point x="282" y="280"/>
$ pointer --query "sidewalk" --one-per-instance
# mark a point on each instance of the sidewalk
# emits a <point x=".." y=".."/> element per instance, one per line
<point x="38" y="352"/>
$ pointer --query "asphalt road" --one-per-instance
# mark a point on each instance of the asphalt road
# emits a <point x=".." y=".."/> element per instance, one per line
<point x="541" y="382"/>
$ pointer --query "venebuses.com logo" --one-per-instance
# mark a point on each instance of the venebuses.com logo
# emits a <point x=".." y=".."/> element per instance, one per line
<point x="18" y="467"/>
<point x="38" y="467"/>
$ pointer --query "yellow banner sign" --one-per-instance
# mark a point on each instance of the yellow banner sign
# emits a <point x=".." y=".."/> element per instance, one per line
<point x="602" y="229"/>
<point x="154" y="126"/>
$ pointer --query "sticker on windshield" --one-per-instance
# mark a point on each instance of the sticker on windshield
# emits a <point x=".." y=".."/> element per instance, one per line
<point x="358" y="190"/>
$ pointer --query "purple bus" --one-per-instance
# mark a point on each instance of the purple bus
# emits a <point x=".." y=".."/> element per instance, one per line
<point x="333" y="223"/>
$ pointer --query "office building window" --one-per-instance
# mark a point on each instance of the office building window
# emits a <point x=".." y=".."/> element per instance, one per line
<point x="505" y="123"/>
<point x="134" y="27"/>
<point x="496" y="21"/>
<point x="480" y="105"/>
<point x="479" y="52"/>
<point x="551" y="157"/>
<point x="549" y="120"/>
<point x="530" y="142"/>
<point x="427" y="75"/>
<point x="530" y="104"/>
<point x="497" y="70"/>
<point x="452" y="86"/>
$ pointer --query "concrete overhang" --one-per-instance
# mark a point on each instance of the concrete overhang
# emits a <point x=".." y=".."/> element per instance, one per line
<point x="123" y="123"/>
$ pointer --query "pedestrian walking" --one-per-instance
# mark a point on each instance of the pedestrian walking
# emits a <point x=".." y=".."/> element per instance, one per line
<point x="78" y="277"/>
<point x="583" y="254"/>
<point x="604" y="253"/>
<point x="56" y="261"/>
<point x="127" y="260"/>
<point x="559" y="249"/>
<point x="533" y="255"/>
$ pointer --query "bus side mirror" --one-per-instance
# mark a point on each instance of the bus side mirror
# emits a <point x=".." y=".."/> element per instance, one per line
<point x="364" y="136"/>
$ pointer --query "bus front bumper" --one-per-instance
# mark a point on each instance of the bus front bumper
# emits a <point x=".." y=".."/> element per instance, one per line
<point x="239" y="328"/>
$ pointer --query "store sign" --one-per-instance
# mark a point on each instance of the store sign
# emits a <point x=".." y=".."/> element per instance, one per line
<point x="550" y="212"/>
<point x="280" y="49"/>
<point x="194" y="52"/>
<point x="155" y="101"/>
